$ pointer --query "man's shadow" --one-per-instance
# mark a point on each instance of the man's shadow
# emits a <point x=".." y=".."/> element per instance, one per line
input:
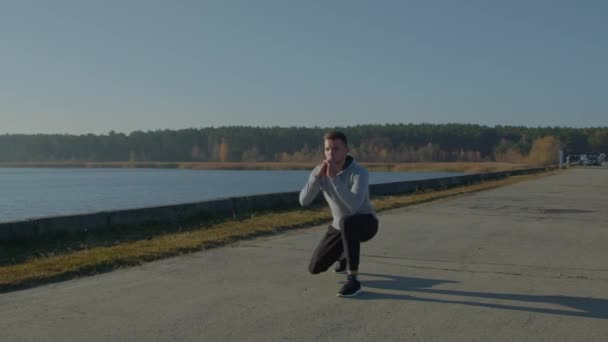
<point x="581" y="306"/>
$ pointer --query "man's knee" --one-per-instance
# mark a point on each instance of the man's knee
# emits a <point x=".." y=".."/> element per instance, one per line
<point x="317" y="267"/>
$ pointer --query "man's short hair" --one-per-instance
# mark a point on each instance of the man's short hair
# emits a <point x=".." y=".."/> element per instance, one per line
<point x="333" y="135"/>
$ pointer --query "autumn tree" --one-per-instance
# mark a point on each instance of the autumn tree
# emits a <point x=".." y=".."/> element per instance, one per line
<point x="224" y="150"/>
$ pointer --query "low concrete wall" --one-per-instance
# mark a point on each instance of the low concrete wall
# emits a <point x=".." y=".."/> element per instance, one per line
<point x="233" y="207"/>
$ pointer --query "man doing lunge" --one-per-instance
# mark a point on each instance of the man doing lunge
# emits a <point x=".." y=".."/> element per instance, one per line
<point x="344" y="184"/>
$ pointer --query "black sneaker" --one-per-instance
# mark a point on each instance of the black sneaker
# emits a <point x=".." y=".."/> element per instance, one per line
<point x="351" y="288"/>
<point x="340" y="266"/>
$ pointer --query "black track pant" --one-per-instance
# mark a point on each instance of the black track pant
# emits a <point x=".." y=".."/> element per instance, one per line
<point x="337" y="244"/>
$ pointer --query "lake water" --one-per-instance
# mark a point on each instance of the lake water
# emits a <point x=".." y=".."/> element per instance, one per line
<point x="39" y="192"/>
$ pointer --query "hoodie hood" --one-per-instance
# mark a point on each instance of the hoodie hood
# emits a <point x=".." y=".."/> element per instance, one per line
<point x="348" y="163"/>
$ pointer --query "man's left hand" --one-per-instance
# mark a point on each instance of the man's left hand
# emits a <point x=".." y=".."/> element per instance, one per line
<point x="332" y="169"/>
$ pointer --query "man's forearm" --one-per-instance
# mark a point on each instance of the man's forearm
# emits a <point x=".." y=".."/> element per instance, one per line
<point x="310" y="190"/>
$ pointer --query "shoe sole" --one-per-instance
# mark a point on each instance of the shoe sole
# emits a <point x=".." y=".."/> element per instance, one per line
<point x="349" y="295"/>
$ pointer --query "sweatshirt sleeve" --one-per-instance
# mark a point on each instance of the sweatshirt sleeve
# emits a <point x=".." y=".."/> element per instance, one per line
<point x="311" y="188"/>
<point x="352" y="198"/>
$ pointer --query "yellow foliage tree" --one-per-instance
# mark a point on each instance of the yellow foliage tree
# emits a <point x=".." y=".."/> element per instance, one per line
<point x="224" y="150"/>
<point x="544" y="151"/>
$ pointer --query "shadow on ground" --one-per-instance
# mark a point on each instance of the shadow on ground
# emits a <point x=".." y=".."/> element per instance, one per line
<point x="580" y="306"/>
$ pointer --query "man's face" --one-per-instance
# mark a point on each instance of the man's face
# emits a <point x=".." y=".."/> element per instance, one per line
<point x="335" y="151"/>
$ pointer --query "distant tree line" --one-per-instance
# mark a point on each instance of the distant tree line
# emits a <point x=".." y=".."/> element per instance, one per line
<point x="372" y="143"/>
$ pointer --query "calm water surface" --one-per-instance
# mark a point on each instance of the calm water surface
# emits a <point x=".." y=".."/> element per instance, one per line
<point x="39" y="192"/>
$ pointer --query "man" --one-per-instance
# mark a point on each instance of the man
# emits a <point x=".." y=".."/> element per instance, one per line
<point x="344" y="184"/>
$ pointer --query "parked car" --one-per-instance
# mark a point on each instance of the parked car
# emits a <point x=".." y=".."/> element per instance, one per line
<point x="573" y="159"/>
<point x="591" y="160"/>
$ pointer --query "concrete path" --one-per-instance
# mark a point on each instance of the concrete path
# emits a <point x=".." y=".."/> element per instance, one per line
<point x="528" y="262"/>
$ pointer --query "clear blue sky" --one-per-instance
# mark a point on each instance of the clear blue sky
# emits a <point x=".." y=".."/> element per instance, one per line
<point x="94" y="66"/>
